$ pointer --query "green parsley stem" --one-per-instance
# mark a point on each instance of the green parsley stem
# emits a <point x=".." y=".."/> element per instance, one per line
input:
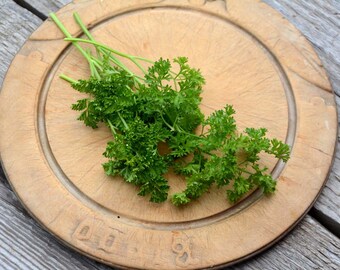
<point x="68" y="35"/>
<point x="143" y="59"/>
<point x="95" y="63"/>
<point x="123" y="121"/>
<point x="112" y="127"/>
<point x="99" y="50"/>
<point x="99" y="45"/>
<point x="218" y="155"/>
<point x="167" y="124"/>
<point x="68" y="79"/>
<point x="90" y="37"/>
<point x="95" y="43"/>
<point x="82" y="25"/>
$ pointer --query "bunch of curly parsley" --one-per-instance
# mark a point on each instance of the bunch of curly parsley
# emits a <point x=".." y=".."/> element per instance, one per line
<point x="163" y="107"/>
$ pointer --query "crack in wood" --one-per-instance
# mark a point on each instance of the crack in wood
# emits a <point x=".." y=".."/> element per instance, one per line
<point x="30" y="8"/>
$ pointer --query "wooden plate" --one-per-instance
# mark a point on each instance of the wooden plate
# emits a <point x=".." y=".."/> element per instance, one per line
<point x="251" y="58"/>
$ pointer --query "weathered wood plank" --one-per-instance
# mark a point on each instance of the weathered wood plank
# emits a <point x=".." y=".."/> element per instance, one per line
<point x="16" y="24"/>
<point x="24" y="245"/>
<point x="318" y="247"/>
<point x="319" y="21"/>
<point x="21" y="24"/>
<point x="308" y="246"/>
<point x="257" y="210"/>
<point x="47" y="6"/>
<point x="326" y="208"/>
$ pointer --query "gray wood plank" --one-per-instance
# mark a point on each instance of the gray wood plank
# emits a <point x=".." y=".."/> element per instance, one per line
<point x="309" y="246"/>
<point x="319" y="21"/>
<point x="25" y="245"/>
<point x="326" y="208"/>
<point x="47" y="6"/>
<point x="16" y="24"/>
<point x="21" y="23"/>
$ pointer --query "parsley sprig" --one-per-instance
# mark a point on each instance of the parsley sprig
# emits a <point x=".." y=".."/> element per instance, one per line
<point x="161" y="106"/>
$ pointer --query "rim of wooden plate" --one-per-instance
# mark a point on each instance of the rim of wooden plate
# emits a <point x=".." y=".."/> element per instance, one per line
<point x="31" y="53"/>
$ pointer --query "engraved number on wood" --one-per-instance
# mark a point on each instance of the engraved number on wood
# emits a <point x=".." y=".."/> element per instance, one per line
<point x="84" y="230"/>
<point x="182" y="246"/>
<point x="94" y="233"/>
<point x="107" y="242"/>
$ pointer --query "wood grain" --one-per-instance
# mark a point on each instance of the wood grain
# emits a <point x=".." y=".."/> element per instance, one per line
<point x="22" y="23"/>
<point x="47" y="6"/>
<point x="277" y="257"/>
<point x="94" y="232"/>
<point x="16" y="26"/>
<point x="319" y="22"/>
<point x="23" y="243"/>
<point x="24" y="248"/>
<point x="258" y="89"/>
<point x="302" y="249"/>
<point x="309" y="246"/>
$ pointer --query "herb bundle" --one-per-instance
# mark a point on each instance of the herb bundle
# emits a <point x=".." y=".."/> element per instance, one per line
<point x="162" y="106"/>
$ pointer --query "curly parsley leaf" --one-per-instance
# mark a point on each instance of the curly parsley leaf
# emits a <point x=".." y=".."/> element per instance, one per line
<point x="160" y="105"/>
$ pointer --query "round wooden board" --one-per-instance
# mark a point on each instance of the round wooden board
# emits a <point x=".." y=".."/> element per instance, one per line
<point x="251" y="58"/>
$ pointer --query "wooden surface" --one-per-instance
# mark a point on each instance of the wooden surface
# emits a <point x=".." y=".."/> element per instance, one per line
<point x="319" y="21"/>
<point x="281" y="256"/>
